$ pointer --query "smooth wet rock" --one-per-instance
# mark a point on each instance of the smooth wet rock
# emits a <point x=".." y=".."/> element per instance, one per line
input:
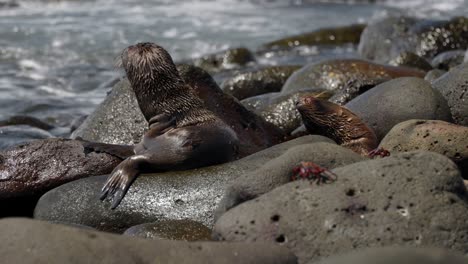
<point x="412" y="60"/>
<point x="252" y="83"/>
<point x="434" y="75"/>
<point x="408" y="199"/>
<point x="400" y="255"/>
<point x="438" y="136"/>
<point x="279" y="109"/>
<point x="353" y="76"/>
<point x="185" y="230"/>
<point x="14" y="135"/>
<point x="36" y="167"/>
<point x="454" y="87"/>
<point x="399" y="100"/>
<point x="278" y="171"/>
<point x="324" y="36"/>
<point x="227" y="59"/>
<point x="31" y="241"/>
<point x="449" y="59"/>
<point x="192" y="194"/>
<point x="385" y="39"/>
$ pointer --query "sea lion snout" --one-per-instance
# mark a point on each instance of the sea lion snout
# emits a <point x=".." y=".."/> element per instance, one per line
<point x="305" y="101"/>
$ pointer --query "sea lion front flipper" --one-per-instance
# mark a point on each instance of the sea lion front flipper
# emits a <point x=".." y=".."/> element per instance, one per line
<point x="119" y="181"/>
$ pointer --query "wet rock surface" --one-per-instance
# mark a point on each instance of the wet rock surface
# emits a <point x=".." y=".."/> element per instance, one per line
<point x="425" y="38"/>
<point x="434" y="75"/>
<point x="399" y="255"/>
<point x="227" y="59"/>
<point x="23" y="242"/>
<point x="252" y="83"/>
<point x="11" y="136"/>
<point x="325" y="36"/>
<point x="438" y="136"/>
<point x="449" y="59"/>
<point x="279" y="109"/>
<point x="278" y="171"/>
<point x="192" y="194"/>
<point x="336" y="75"/>
<point x="454" y="87"/>
<point x="186" y="230"/>
<point x="408" y="199"/>
<point x="25" y="120"/>
<point x="399" y="100"/>
<point x="411" y="60"/>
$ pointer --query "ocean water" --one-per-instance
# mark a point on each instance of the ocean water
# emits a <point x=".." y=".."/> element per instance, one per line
<point x="57" y="57"/>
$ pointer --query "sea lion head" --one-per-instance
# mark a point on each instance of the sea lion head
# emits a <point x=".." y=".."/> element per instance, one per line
<point x="148" y="62"/>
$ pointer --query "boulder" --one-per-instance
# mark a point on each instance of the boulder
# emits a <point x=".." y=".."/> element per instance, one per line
<point x="409" y="199"/>
<point x="448" y="59"/>
<point x="186" y="230"/>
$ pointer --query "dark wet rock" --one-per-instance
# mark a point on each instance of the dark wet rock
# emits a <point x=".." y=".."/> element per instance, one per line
<point x="31" y="241"/>
<point x="392" y="255"/>
<point x="449" y="59"/>
<point x="11" y="136"/>
<point x="192" y="194"/>
<point x="434" y="75"/>
<point x="186" y="230"/>
<point x="36" y="167"/>
<point x="335" y="75"/>
<point x="454" y="87"/>
<point x="438" y="136"/>
<point x="325" y="36"/>
<point x="280" y="108"/>
<point x="278" y="171"/>
<point x="266" y="80"/>
<point x="408" y="199"/>
<point x="399" y="100"/>
<point x="253" y="131"/>
<point x="117" y="120"/>
<point x="26" y="120"/>
<point x="412" y="60"/>
<point x="385" y="39"/>
<point x="226" y="59"/>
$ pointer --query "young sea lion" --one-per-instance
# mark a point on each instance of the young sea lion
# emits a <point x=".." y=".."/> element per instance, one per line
<point x="183" y="133"/>
<point x="336" y="122"/>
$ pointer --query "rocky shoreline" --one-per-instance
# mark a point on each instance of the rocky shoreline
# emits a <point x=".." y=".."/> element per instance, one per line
<point x="410" y="85"/>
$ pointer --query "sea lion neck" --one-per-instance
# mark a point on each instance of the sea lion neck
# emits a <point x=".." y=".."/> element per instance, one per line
<point x="158" y="87"/>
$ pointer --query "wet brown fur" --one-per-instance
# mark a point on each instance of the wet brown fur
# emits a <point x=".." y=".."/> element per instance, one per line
<point x="338" y="123"/>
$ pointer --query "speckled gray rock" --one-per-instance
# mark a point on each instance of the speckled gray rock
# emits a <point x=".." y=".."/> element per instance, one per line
<point x="192" y="194"/>
<point x="399" y="100"/>
<point x="449" y="59"/>
<point x="186" y="230"/>
<point x="409" y="59"/>
<point x="29" y="241"/>
<point x="400" y="255"/>
<point x="252" y="83"/>
<point x="278" y="171"/>
<point x="117" y="120"/>
<point x="280" y="108"/>
<point x="385" y="39"/>
<point x="434" y="75"/>
<point x="336" y="75"/>
<point x="408" y="199"/>
<point x="454" y="87"/>
<point x="11" y="136"/>
<point x="438" y="136"/>
<point x="226" y="59"/>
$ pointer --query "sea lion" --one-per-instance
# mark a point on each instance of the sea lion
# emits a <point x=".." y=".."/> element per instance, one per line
<point x="338" y="123"/>
<point x="183" y="133"/>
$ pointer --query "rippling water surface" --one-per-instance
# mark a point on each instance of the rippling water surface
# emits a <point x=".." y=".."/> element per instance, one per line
<point x="56" y="58"/>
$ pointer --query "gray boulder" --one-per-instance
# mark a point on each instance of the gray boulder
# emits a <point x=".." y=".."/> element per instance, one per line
<point x="449" y="59"/>
<point x="192" y="194"/>
<point x="186" y="230"/>
<point x="438" y="136"/>
<point x="278" y="171"/>
<point x="30" y="241"/>
<point x="454" y="87"/>
<point x="408" y="199"/>
<point x="399" y="100"/>
<point x="393" y="255"/>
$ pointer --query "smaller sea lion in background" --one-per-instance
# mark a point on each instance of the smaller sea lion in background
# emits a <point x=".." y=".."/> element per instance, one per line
<point x="338" y="123"/>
